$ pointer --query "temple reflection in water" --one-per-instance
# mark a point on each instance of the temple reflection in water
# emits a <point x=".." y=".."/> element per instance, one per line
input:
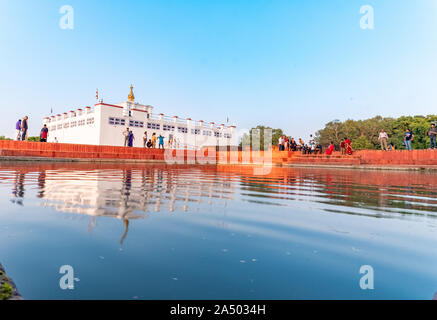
<point x="129" y="194"/>
<point x="132" y="191"/>
<point x="122" y="192"/>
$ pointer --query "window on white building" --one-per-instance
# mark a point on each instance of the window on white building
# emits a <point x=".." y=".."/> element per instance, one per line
<point x="116" y="121"/>
<point x="167" y="127"/>
<point x="152" y="125"/>
<point x="137" y="124"/>
<point x="207" y="133"/>
<point x="182" y="129"/>
<point x="90" y="120"/>
<point x="73" y="124"/>
<point x="195" y="131"/>
<point x="59" y="126"/>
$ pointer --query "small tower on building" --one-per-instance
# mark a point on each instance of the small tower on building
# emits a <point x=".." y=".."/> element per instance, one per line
<point x="131" y="96"/>
<point x="127" y="110"/>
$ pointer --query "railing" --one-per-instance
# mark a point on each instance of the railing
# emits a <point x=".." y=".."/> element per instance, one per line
<point x="68" y="116"/>
<point x="182" y="121"/>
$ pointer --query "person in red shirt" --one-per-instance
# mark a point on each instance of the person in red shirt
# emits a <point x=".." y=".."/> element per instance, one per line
<point x="343" y="146"/>
<point x="44" y="134"/>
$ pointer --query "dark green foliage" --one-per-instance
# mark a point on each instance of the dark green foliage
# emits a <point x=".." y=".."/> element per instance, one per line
<point x="5" y="291"/>
<point x="364" y="133"/>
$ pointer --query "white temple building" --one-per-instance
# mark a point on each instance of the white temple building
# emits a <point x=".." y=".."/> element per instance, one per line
<point x="104" y="124"/>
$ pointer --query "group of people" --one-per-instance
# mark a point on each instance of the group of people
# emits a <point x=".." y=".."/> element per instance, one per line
<point x="147" y="143"/>
<point x="345" y="147"/>
<point x="21" y="128"/>
<point x="289" y="144"/>
<point x="408" y="139"/>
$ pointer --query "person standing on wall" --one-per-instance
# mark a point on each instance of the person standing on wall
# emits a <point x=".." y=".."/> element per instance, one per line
<point x="145" y="139"/>
<point x="18" y="130"/>
<point x="154" y="140"/>
<point x="131" y="139"/>
<point x="126" y="137"/>
<point x="24" y="127"/>
<point x="432" y="136"/>
<point x="343" y="146"/>
<point x="348" y="146"/>
<point x="408" y="138"/>
<point x="44" y="134"/>
<point x="383" y="138"/>
<point x="161" y="142"/>
<point x="280" y="142"/>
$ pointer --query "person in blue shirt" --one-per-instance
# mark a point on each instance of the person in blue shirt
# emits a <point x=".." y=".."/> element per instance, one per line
<point x="161" y="141"/>
<point x="408" y="138"/>
<point x="131" y="139"/>
<point x="18" y="130"/>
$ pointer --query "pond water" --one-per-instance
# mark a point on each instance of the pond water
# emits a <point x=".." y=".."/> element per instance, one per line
<point x="202" y="232"/>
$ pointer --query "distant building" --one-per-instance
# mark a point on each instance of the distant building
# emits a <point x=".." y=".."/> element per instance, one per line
<point x="104" y="124"/>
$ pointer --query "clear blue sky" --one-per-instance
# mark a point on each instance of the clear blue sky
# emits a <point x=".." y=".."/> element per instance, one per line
<point x="290" y="64"/>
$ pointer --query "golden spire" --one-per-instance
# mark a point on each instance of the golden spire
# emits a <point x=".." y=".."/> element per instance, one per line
<point x="131" y="96"/>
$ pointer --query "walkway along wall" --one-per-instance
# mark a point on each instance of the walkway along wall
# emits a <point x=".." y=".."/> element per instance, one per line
<point x="24" y="149"/>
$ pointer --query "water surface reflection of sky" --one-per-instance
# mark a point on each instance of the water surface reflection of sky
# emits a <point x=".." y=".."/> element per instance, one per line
<point x="206" y="232"/>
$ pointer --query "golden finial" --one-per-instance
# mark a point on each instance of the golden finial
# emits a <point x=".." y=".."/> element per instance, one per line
<point x="131" y="96"/>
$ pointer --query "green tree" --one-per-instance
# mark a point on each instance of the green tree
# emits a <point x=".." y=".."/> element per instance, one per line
<point x="362" y="143"/>
<point x="370" y="129"/>
<point x="260" y="130"/>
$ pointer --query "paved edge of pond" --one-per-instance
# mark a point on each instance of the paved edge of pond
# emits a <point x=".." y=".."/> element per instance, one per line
<point x="419" y="168"/>
<point x="8" y="289"/>
<point x="45" y="159"/>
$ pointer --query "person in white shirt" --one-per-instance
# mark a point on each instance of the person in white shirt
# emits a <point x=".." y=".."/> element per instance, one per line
<point x="126" y="137"/>
<point x="311" y="140"/>
<point x="383" y="138"/>
<point x="280" y="143"/>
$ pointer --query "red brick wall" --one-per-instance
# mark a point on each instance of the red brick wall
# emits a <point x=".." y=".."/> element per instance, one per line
<point x="364" y="157"/>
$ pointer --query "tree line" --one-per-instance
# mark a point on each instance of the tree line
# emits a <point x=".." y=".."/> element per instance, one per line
<point x="364" y="133"/>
